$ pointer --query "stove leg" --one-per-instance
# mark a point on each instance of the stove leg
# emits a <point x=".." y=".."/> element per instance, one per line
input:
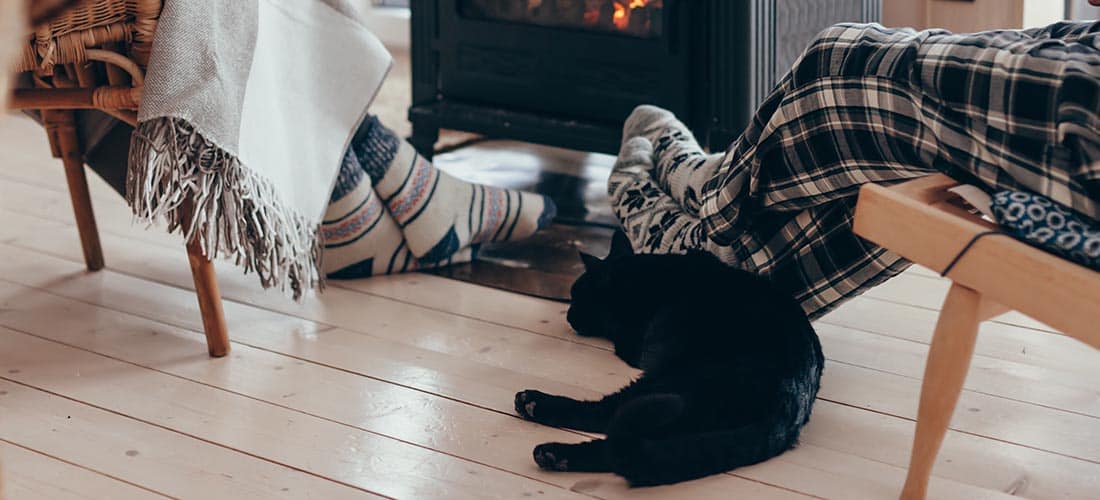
<point x="423" y="140"/>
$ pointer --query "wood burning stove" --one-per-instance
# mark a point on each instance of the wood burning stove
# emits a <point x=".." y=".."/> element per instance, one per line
<point x="567" y="72"/>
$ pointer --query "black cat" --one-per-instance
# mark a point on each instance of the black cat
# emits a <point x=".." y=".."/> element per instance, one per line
<point x="731" y="369"/>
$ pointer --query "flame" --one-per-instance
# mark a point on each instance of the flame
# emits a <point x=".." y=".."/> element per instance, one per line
<point x="620" y="19"/>
<point x="623" y="9"/>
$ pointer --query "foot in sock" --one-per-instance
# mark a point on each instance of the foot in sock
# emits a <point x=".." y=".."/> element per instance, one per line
<point x="437" y="213"/>
<point x="361" y="239"/>
<point x="681" y="167"/>
<point x="651" y="219"/>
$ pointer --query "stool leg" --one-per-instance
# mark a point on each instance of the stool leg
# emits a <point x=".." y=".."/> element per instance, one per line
<point x="210" y="301"/>
<point x="66" y="145"/>
<point x="944" y="374"/>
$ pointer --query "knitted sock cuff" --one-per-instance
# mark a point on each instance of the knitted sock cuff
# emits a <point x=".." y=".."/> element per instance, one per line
<point x="351" y="174"/>
<point x="375" y="146"/>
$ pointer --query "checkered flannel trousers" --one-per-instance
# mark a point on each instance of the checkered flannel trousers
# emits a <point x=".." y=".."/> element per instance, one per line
<point x="1015" y="110"/>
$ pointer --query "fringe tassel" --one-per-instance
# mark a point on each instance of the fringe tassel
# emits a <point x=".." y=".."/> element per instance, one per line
<point x="234" y="212"/>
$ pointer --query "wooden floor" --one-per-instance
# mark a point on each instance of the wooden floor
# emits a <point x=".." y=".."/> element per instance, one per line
<point x="402" y="386"/>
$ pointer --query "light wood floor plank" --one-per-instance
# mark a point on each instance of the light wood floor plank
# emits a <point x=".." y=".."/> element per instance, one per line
<point x="155" y="458"/>
<point x="996" y="340"/>
<point x="26" y="475"/>
<point x="322" y="447"/>
<point x="492" y="438"/>
<point x="926" y="292"/>
<point x="502" y="401"/>
<point x="1054" y="388"/>
<point x="365" y="404"/>
<point x="994" y="377"/>
<point x="477" y="340"/>
<point x="1065" y="390"/>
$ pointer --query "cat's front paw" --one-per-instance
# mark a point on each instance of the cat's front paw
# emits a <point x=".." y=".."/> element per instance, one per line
<point x="527" y="401"/>
<point x="552" y="456"/>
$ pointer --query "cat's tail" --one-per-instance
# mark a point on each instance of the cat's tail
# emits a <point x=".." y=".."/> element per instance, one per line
<point x="646" y="454"/>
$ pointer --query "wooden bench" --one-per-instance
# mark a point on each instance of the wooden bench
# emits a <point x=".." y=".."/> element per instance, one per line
<point x="923" y="222"/>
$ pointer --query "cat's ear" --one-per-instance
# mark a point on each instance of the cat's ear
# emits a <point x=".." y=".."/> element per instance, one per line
<point x="591" y="262"/>
<point x="620" y="245"/>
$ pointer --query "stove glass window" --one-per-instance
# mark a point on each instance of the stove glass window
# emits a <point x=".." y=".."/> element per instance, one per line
<point x="639" y="18"/>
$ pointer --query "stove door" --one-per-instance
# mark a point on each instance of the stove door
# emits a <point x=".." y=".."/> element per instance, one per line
<point x="561" y="59"/>
<point x="638" y="18"/>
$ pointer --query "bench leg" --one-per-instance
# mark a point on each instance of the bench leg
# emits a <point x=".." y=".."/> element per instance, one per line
<point x="944" y="374"/>
<point x="62" y="131"/>
<point x="210" y="301"/>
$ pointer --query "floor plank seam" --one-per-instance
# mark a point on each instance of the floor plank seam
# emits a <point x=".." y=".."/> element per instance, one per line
<point x="389" y="382"/>
<point x="278" y="405"/>
<point x="508" y="414"/>
<point x="926" y="308"/>
<point x="467" y="316"/>
<point x="187" y="435"/>
<point x="968" y="433"/>
<point x="80" y="466"/>
<point x="827" y="321"/>
<point x="971" y="390"/>
<point x="926" y="344"/>
<point x="193" y="331"/>
<point x="333" y="327"/>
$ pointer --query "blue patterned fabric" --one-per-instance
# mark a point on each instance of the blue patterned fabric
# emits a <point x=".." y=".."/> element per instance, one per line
<point x="351" y="174"/>
<point x="1045" y="224"/>
<point x="375" y="146"/>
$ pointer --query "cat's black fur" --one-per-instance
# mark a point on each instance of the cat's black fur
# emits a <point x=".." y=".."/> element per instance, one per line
<point x="731" y="369"/>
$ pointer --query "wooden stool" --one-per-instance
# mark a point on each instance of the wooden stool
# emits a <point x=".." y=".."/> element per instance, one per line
<point x="92" y="56"/>
<point x="923" y="222"/>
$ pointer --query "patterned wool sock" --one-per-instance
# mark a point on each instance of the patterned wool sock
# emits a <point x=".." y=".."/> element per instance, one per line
<point x="652" y="220"/>
<point x="361" y="239"/>
<point x="681" y="167"/>
<point x="437" y="213"/>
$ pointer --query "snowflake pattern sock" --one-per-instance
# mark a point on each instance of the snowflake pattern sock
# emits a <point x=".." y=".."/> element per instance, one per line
<point x="681" y="167"/>
<point x="440" y="214"/>
<point x="653" y="221"/>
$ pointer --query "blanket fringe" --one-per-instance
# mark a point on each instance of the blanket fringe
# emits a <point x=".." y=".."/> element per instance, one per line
<point x="233" y="211"/>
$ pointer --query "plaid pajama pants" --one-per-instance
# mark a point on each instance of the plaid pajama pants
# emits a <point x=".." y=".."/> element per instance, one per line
<point x="1017" y="110"/>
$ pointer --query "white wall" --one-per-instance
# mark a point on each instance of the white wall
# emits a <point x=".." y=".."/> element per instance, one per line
<point x="389" y="24"/>
<point x="1043" y="12"/>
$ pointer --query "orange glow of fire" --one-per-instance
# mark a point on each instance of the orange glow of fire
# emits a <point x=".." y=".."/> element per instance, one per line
<point x="622" y="11"/>
<point x="621" y="17"/>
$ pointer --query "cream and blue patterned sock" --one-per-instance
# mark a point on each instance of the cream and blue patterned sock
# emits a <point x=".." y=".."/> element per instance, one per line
<point x="360" y="237"/>
<point x="438" y="214"/>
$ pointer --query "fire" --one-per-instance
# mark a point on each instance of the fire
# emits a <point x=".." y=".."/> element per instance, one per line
<point x="621" y="17"/>
<point x="620" y="12"/>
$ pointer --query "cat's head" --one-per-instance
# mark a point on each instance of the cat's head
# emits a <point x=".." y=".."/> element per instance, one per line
<point x="601" y="305"/>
